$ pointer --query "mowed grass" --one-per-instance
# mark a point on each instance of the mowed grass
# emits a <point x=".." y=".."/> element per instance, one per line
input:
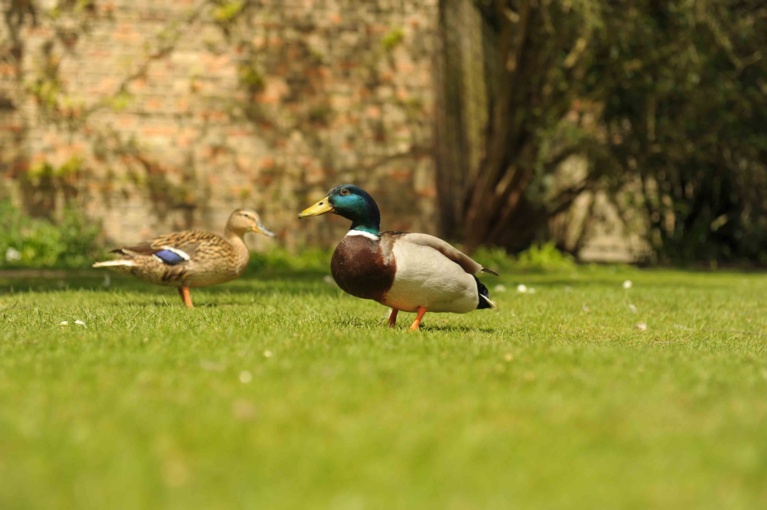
<point x="279" y="391"/>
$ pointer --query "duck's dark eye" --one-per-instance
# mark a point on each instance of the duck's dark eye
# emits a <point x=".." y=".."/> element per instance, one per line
<point x="344" y="192"/>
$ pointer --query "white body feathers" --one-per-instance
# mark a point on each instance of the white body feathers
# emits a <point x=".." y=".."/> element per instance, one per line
<point x="427" y="278"/>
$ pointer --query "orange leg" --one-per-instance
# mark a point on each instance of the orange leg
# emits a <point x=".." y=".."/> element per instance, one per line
<point x="185" y="296"/>
<point x="417" y="321"/>
<point x="393" y="317"/>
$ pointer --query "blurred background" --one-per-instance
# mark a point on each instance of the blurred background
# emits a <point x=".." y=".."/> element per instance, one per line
<point x="631" y="131"/>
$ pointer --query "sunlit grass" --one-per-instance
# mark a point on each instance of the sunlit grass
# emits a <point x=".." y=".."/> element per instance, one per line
<point x="279" y="391"/>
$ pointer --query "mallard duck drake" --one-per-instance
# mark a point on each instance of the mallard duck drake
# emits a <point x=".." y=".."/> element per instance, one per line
<point x="191" y="258"/>
<point x="405" y="271"/>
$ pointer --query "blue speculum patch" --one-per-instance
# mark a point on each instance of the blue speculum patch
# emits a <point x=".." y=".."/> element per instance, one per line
<point x="169" y="257"/>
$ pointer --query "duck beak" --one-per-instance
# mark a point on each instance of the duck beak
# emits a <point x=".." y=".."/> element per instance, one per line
<point x="259" y="228"/>
<point x="321" y="207"/>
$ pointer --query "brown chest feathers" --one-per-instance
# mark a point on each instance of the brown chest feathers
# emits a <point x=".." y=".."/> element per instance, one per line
<point x="360" y="268"/>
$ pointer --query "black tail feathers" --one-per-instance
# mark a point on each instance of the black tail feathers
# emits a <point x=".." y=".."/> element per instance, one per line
<point x="484" y="296"/>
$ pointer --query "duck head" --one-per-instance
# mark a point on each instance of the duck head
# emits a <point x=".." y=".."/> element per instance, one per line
<point x="243" y="221"/>
<point x="352" y="203"/>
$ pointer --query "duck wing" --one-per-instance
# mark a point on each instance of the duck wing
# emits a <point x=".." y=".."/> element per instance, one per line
<point x="174" y="248"/>
<point x="468" y="264"/>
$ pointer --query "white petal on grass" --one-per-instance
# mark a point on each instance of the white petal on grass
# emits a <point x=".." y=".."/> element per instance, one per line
<point x="627" y="284"/>
<point x="642" y="326"/>
<point x="522" y="288"/>
<point x="267" y="354"/>
<point x="633" y="308"/>
<point x="328" y="279"/>
<point x="79" y="323"/>
<point x="64" y="323"/>
<point x="499" y="288"/>
<point x="12" y="255"/>
<point x="245" y="377"/>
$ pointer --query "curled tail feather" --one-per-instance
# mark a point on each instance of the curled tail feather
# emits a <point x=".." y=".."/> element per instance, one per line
<point x="484" y="296"/>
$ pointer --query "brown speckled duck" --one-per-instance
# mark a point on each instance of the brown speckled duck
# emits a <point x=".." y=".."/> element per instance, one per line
<point x="191" y="258"/>
<point x="405" y="271"/>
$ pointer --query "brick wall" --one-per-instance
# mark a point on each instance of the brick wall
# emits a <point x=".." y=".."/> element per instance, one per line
<point x="156" y="116"/>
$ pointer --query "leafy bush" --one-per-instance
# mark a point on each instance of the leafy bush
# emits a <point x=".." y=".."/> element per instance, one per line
<point x="311" y="260"/>
<point x="493" y="258"/>
<point x="41" y="243"/>
<point x="543" y="257"/>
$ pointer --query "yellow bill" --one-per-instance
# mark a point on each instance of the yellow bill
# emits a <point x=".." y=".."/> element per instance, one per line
<point x="321" y="207"/>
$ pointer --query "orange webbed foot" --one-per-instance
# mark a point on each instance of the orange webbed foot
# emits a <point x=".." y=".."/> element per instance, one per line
<point x="418" y="317"/>
<point x="186" y="296"/>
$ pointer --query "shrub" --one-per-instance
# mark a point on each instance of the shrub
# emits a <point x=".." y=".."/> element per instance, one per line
<point x="30" y="242"/>
<point x="279" y="260"/>
<point x="543" y="257"/>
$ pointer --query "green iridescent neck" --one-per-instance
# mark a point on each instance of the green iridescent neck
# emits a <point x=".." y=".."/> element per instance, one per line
<point x="363" y="211"/>
<point x="375" y="230"/>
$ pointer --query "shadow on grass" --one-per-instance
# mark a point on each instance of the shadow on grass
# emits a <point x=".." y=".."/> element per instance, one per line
<point x="404" y="326"/>
<point x="261" y="283"/>
<point x="660" y="278"/>
<point x="296" y="282"/>
<point x="447" y="328"/>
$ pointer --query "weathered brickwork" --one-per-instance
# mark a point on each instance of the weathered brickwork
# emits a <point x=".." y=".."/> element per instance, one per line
<point x="164" y="115"/>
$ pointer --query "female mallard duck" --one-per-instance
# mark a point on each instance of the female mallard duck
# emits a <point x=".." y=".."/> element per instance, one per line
<point x="191" y="258"/>
<point x="410" y="272"/>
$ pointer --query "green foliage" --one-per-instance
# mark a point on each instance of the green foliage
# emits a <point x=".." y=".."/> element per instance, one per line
<point x="280" y="261"/>
<point x="667" y="98"/>
<point x="47" y="92"/>
<point x="286" y="393"/>
<point x="46" y="171"/>
<point x="120" y="101"/>
<point x="493" y="258"/>
<point x="228" y="10"/>
<point x="539" y="257"/>
<point x="251" y="77"/>
<point x="526" y="85"/>
<point x="545" y="257"/>
<point x="77" y="7"/>
<point x="393" y="39"/>
<point x="39" y="243"/>
<point x="682" y="110"/>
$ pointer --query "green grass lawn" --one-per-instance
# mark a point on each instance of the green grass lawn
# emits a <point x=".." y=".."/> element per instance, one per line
<point x="279" y="391"/>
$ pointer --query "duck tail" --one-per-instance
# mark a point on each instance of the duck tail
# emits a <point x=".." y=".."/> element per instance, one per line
<point x="115" y="264"/>
<point x="484" y="296"/>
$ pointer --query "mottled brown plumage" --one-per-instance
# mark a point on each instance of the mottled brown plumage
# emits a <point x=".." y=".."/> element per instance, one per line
<point x="191" y="258"/>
